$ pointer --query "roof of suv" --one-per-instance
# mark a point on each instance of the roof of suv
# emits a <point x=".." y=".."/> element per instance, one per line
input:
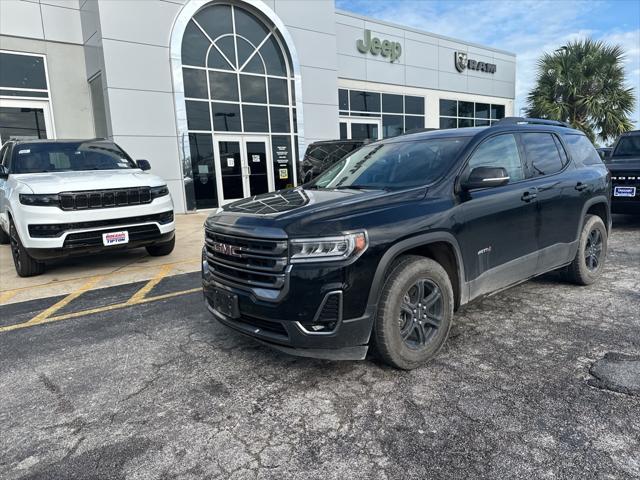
<point x="508" y="122"/>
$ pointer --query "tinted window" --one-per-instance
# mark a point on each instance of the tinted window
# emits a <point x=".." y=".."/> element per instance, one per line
<point x="215" y="20"/>
<point x="278" y="91"/>
<point x="497" y="111"/>
<point x="628" y="146"/>
<point x="255" y="118"/>
<point x="412" y="123"/>
<point x="194" y="46"/>
<point x="364" y="101"/>
<point x="391" y="103"/>
<point x="391" y="125"/>
<point x="414" y="105"/>
<point x="582" y="150"/>
<point x="22" y="71"/>
<point x="343" y="130"/>
<point x="482" y="110"/>
<point x="273" y="58"/>
<point x="465" y="122"/>
<point x="253" y="89"/>
<point x="279" y="119"/>
<point x="465" y="109"/>
<point x="393" y="165"/>
<point x="499" y="151"/>
<point x="195" y="83"/>
<point x="22" y="123"/>
<point x="343" y="99"/>
<point x="448" y="122"/>
<point x="249" y="27"/>
<point x="52" y="157"/>
<point x="198" y="115"/>
<point x="226" y="117"/>
<point x="224" y="86"/>
<point x="542" y="154"/>
<point x="449" y="108"/>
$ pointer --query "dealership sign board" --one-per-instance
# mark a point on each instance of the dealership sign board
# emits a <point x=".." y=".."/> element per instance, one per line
<point x="462" y="62"/>
<point x="375" y="46"/>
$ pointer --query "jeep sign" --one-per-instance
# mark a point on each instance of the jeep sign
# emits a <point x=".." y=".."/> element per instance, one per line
<point x="392" y="50"/>
<point x="462" y="62"/>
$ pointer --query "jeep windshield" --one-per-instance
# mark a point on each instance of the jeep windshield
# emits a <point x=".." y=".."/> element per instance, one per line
<point x="43" y="157"/>
<point x="392" y="166"/>
<point x="628" y="147"/>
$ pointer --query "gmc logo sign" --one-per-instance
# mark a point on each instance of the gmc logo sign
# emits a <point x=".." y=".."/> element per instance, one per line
<point x="226" y="249"/>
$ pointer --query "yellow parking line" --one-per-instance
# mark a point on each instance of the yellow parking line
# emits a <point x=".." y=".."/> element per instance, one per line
<point x="107" y="308"/>
<point x="65" y="301"/>
<point x="6" y="296"/>
<point x="140" y="294"/>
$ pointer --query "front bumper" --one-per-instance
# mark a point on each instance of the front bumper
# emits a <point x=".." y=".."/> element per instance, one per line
<point x="347" y="340"/>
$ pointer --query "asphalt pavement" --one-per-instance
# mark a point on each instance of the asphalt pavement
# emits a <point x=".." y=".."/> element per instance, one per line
<point x="540" y="381"/>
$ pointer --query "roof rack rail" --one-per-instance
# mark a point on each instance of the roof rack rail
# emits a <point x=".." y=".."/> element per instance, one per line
<point x="531" y="121"/>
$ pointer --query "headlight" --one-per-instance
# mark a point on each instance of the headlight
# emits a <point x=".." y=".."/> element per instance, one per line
<point x="157" y="192"/>
<point x="328" y="249"/>
<point x="40" y="200"/>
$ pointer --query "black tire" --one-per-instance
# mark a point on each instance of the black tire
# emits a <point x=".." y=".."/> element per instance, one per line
<point x="4" y="238"/>
<point x="26" y="266"/>
<point x="162" y="249"/>
<point x="398" y="329"/>
<point x="588" y="263"/>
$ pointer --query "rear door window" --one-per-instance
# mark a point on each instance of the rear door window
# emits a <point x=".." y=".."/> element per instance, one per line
<point x="541" y="151"/>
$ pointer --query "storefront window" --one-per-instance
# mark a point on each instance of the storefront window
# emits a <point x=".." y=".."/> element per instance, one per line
<point x="459" y="114"/>
<point x="238" y="81"/>
<point x="392" y="114"/>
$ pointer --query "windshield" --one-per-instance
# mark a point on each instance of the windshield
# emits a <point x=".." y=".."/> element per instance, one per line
<point x="393" y="166"/>
<point x="627" y="147"/>
<point x="69" y="156"/>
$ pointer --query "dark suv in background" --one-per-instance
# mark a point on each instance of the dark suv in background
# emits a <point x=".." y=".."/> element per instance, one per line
<point x="624" y="165"/>
<point x="382" y="248"/>
<point x="321" y="155"/>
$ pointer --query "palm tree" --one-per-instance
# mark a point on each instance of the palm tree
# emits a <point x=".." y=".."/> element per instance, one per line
<point x="583" y="83"/>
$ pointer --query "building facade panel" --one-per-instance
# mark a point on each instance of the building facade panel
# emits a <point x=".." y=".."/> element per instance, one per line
<point x="210" y="99"/>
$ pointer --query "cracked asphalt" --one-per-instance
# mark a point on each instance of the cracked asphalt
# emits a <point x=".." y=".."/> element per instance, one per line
<point x="525" y="388"/>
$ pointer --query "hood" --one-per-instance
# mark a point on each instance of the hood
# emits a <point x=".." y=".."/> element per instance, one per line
<point x="57" y="182"/>
<point x="270" y="214"/>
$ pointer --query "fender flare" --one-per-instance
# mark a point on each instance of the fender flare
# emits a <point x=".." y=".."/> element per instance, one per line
<point x="590" y="203"/>
<point x="419" y="240"/>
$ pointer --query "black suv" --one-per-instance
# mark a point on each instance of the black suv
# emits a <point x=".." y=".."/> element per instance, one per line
<point x="624" y="165"/>
<point x="382" y="248"/>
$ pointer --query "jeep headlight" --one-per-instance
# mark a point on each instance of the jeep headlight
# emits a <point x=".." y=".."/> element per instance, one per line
<point x="157" y="192"/>
<point x="328" y="249"/>
<point x="40" y="200"/>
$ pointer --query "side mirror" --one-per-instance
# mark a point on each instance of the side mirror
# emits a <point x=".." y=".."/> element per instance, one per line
<point x="484" y="177"/>
<point x="4" y="172"/>
<point x="143" y="164"/>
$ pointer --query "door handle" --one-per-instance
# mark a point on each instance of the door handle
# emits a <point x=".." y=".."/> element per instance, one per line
<point x="581" y="186"/>
<point x="528" y="196"/>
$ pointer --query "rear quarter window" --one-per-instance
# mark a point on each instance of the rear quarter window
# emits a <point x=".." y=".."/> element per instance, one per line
<point x="582" y="150"/>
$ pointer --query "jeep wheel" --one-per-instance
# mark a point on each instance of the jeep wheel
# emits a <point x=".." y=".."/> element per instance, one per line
<point x="25" y="265"/>
<point x="592" y="250"/>
<point x="415" y="312"/>
<point x="161" y="249"/>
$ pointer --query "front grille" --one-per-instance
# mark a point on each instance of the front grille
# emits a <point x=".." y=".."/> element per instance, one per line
<point x="121" y="197"/>
<point x="247" y="261"/>
<point x="94" y="239"/>
<point x="53" y="230"/>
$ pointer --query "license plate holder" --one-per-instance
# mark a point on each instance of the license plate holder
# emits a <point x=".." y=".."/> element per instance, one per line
<point x="115" y="238"/>
<point x="624" y="192"/>
<point x="225" y="303"/>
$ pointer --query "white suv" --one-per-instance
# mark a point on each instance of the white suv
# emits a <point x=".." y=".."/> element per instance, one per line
<point x="67" y="197"/>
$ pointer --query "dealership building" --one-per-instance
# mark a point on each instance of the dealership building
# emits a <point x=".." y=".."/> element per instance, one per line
<point x="222" y="97"/>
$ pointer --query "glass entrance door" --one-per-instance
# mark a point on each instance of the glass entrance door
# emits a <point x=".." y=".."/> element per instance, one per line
<point x="243" y="167"/>
<point x="360" y="128"/>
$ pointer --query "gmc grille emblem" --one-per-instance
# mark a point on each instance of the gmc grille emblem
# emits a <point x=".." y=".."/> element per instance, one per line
<point x="227" y="249"/>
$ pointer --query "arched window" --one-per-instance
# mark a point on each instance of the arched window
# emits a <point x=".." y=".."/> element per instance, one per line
<point x="238" y="80"/>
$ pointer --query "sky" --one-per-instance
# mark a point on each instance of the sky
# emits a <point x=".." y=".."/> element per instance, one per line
<point x="527" y="28"/>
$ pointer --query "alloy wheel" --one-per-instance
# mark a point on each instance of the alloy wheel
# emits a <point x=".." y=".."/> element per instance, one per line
<point x="15" y="245"/>
<point x="593" y="250"/>
<point x="421" y="313"/>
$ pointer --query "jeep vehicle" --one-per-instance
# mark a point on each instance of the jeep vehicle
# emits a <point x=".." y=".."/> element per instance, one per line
<point x="381" y="249"/>
<point x="68" y="197"/>
<point x="321" y="155"/>
<point x="624" y="165"/>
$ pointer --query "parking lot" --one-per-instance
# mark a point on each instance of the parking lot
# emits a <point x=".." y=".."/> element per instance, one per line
<point x="133" y="379"/>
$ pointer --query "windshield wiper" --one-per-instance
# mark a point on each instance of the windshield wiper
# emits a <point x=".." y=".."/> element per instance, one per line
<point x="357" y="187"/>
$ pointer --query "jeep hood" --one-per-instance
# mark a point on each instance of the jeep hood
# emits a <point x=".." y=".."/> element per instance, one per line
<point x="57" y="182"/>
